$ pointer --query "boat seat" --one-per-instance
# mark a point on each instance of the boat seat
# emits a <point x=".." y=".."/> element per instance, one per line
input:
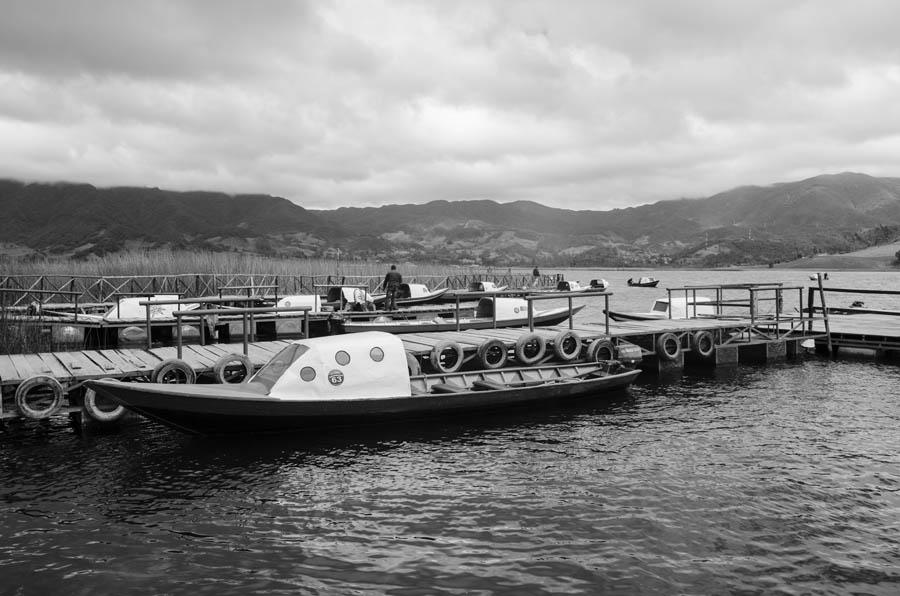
<point x="485" y="385"/>
<point x="446" y="388"/>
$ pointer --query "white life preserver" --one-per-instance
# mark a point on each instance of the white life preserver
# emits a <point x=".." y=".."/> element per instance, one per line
<point x="95" y="412"/>
<point x="224" y="368"/>
<point x="41" y="385"/>
<point x="446" y="356"/>
<point x="668" y="346"/>
<point x="567" y="345"/>
<point x="492" y="354"/>
<point x="173" y="371"/>
<point x="530" y="348"/>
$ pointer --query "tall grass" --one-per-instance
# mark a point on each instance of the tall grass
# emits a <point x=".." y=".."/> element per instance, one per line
<point x="173" y="262"/>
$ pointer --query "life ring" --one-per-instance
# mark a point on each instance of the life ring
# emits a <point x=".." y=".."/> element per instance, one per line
<point x="668" y="346"/>
<point x="567" y="345"/>
<point x="599" y="350"/>
<point x="492" y="354"/>
<point x="95" y="412"/>
<point x="703" y="344"/>
<point x="412" y="365"/>
<point x="225" y="368"/>
<point x="446" y="356"/>
<point x="530" y="348"/>
<point x="173" y="371"/>
<point x="39" y="386"/>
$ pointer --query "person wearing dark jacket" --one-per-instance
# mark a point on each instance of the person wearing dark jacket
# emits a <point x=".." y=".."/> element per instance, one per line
<point x="392" y="282"/>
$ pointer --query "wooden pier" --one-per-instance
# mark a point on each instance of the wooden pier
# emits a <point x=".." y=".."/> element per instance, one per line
<point x="656" y="345"/>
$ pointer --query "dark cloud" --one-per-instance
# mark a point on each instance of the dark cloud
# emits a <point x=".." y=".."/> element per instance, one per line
<point x="594" y="104"/>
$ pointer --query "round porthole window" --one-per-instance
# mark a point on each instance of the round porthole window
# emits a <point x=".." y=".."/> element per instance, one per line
<point x="377" y="354"/>
<point x="307" y="373"/>
<point x="342" y="358"/>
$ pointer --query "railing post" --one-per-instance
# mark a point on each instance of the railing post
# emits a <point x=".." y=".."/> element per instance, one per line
<point x="530" y="314"/>
<point x="149" y="340"/>
<point x="246" y="342"/>
<point x="457" y="313"/>
<point x="606" y="311"/>
<point x="178" y="332"/>
<point x="571" y="316"/>
<point x="825" y="313"/>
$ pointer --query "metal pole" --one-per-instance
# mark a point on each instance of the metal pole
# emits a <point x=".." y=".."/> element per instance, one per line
<point x="177" y="333"/>
<point x="457" y="313"/>
<point x="571" y="317"/>
<point x="530" y="314"/>
<point x="606" y="311"/>
<point x="246" y="348"/>
<point x="147" y="306"/>
<point x="305" y="324"/>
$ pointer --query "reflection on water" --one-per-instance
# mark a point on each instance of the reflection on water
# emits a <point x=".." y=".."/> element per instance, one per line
<point x="755" y="479"/>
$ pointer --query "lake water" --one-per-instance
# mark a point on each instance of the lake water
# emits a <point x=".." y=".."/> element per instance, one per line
<point x="778" y="479"/>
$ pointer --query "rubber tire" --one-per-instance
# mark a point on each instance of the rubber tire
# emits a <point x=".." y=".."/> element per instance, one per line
<point x="668" y="346"/>
<point x="563" y="339"/>
<point x="600" y="350"/>
<point x="220" y="368"/>
<point x="703" y="344"/>
<point x="412" y="365"/>
<point x="522" y="345"/>
<point x="438" y="351"/>
<point x="489" y="350"/>
<point x="99" y="415"/>
<point x="35" y="382"/>
<point x="173" y="366"/>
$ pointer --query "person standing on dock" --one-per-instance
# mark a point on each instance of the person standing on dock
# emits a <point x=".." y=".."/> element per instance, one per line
<point x="392" y="282"/>
<point x="535" y="277"/>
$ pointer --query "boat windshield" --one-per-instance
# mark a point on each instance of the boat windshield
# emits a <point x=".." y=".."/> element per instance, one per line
<point x="660" y="306"/>
<point x="269" y="374"/>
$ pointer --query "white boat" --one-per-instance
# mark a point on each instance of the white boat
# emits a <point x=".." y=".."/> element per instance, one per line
<point x="491" y="312"/>
<point x="408" y="294"/>
<point x="354" y="381"/>
<point x="680" y="308"/>
<point x="130" y="309"/>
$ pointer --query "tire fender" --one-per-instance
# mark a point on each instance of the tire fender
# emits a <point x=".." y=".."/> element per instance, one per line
<point x="41" y="384"/>
<point x="492" y="354"/>
<point x="173" y="371"/>
<point x="668" y="346"/>
<point x="446" y="356"/>
<point x="98" y="414"/>
<point x="530" y="348"/>
<point x="567" y="345"/>
<point x="703" y="344"/>
<point x="224" y="368"/>
<point x="599" y="350"/>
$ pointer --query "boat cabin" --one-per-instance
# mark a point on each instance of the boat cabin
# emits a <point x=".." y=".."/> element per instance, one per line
<point x="406" y="291"/>
<point x="130" y="307"/>
<point x="599" y="284"/>
<point x="352" y="366"/>
<point x="568" y="286"/>
<point x="313" y="301"/>
<point x="485" y="286"/>
<point x="683" y="308"/>
<point x="506" y="308"/>
<point x="348" y="295"/>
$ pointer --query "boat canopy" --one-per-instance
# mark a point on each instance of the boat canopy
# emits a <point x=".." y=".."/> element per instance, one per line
<point x="683" y="308"/>
<point x="351" y="366"/>
<point x="130" y="307"/>
<point x="485" y="286"/>
<point x="568" y="286"/>
<point x="413" y="291"/>
<point x="507" y="308"/>
<point x="313" y="301"/>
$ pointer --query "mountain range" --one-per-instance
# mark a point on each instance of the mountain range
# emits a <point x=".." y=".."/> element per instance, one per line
<point x="750" y="225"/>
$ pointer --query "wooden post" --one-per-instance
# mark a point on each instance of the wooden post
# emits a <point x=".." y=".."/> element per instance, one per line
<point x="824" y="312"/>
<point x="571" y="318"/>
<point x="177" y="333"/>
<point x="147" y="306"/>
<point x="530" y="314"/>
<point x="246" y="348"/>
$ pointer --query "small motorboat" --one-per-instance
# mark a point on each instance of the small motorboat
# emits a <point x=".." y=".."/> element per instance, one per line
<point x="643" y="282"/>
<point x="680" y="308"/>
<point x="409" y="294"/>
<point x="599" y="284"/>
<point x="354" y="380"/>
<point x="476" y="290"/>
<point x="490" y="312"/>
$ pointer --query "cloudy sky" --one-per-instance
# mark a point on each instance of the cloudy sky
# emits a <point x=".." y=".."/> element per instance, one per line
<point x="584" y="105"/>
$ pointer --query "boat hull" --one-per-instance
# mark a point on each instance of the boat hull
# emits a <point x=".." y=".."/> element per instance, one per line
<point x="227" y="411"/>
<point x="553" y="317"/>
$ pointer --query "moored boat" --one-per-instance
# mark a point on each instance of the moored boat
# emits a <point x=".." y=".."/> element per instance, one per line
<point x="490" y="313"/>
<point x="409" y="294"/>
<point x="680" y="308"/>
<point x="643" y="282"/>
<point x="351" y="381"/>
